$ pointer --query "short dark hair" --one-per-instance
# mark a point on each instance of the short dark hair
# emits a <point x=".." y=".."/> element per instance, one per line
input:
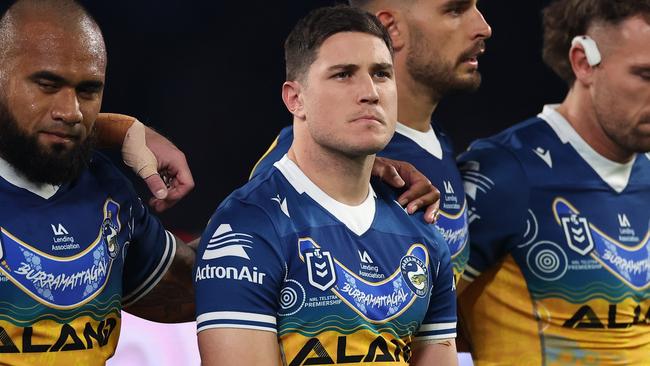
<point x="565" y="19"/>
<point x="302" y="44"/>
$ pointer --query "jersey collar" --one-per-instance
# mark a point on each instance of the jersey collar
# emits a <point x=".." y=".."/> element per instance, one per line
<point x="426" y="140"/>
<point x="616" y="175"/>
<point x="14" y="177"/>
<point x="357" y="218"/>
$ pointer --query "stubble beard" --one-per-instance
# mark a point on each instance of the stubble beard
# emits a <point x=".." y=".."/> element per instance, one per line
<point x="427" y="68"/>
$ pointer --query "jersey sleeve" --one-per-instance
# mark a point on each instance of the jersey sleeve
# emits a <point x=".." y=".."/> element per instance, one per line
<point x="149" y="254"/>
<point x="497" y="193"/>
<point x="440" y="320"/>
<point x="276" y="151"/>
<point x="239" y="270"/>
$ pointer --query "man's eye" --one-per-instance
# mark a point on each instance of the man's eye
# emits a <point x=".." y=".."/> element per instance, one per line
<point x="47" y="86"/>
<point x="342" y="75"/>
<point x="88" y="93"/>
<point x="383" y="74"/>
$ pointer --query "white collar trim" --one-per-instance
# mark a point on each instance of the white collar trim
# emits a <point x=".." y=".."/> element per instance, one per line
<point x="426" y="140"/>
<point x="616" y="175"/>
<point x="11" y="175"/>
<point x="357" y="218"/>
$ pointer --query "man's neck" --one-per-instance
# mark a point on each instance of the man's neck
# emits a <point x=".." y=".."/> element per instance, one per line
<point x="578" y="109"/>
<point x="343" y="178"/>
<point x="415" y="102"/>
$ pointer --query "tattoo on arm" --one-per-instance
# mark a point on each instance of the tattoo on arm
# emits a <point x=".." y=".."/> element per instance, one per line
<point x="172" y="300"/>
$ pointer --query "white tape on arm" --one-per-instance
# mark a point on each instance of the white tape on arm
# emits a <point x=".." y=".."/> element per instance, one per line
<point x="136" y="154"/>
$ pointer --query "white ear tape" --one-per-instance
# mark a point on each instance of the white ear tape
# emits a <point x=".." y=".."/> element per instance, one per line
<point x="590" y="47"/>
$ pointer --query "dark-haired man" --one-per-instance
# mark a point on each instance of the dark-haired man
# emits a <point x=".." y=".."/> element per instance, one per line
<point x="76" y="244"/>
<point x="280" y="263"/>
<point x="437" y="45"/>
<point x="560" y="259"/>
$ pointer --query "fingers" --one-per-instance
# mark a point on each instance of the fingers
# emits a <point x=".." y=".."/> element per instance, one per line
<point x="156" y="186"/>
<point x="177" y="185"/>
<point x="422" y="194"/>
<point x="383" y="169"/>
<point x="432" y="213"/>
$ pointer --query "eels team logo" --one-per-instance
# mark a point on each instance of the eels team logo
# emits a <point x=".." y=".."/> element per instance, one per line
<point x="109" y="233"/>
<point x="415" y="273"/>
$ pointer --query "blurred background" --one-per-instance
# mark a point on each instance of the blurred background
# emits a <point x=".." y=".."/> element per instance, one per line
<point x="207" y="74"/>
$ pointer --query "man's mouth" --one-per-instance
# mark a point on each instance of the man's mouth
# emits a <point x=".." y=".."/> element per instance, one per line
<point x="60" y="137"/>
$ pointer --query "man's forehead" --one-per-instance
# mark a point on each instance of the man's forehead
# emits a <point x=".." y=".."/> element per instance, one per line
<point x="353" y="48"/>
<point x="43" y="42"/>
<point x="633" y="33"/>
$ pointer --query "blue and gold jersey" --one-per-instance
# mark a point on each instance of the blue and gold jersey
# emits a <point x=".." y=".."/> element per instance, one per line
<point x="559" y="250"/>
<point x="432" y="154"/>
<point x="337" y="283"/>
<point x="70" y="259"/>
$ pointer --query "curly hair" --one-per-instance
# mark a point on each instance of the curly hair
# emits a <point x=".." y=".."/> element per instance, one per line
<point x="565" y="19"/>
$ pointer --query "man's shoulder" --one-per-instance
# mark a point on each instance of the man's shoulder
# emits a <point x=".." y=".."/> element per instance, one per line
<point x="261" y="196"/>
<point x="524" y="146"/>
<point x="520" y="136"/>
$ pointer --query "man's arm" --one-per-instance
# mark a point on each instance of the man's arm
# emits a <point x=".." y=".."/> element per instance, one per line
<point x="154" y="158"/>
<point x="439" y="354"/>
<point x="230" y="346"/>
<point x="172" y="299"/>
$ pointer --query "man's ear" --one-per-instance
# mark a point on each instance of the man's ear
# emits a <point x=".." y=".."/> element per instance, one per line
<point x="395" y="26"/>
<point x="292" y="97"/>
<point x="584" y="56"/>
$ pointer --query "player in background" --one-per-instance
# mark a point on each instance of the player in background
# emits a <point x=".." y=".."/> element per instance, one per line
<point x="437" y="44"/>
<point x="309" y="261"/>
<point x="559" y="259"/>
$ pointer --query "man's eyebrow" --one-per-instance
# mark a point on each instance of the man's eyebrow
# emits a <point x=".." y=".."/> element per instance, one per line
<point x="383" y="66"/>
<point x="457" y="3"/>
<point x="350" y="67"/>
<point x="91" y="85"/>
<point x="640" y="68"/>
<point x="55" y="78"/>
<point x="47" y="75"/>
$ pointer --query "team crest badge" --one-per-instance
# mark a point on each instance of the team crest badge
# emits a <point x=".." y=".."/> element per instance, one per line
<point x="415" y="273"/>
<point x="578" y="235"/>
<point x="110" y="229"/>
<point x="320" y="269"/>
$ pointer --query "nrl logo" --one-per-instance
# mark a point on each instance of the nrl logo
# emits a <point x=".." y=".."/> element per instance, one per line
<point x="320" y="269"/>
<point x="577" y="233"/>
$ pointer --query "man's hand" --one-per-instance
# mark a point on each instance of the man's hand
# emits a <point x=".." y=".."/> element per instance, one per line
<point x="155" y="159"/>
<point x="175" y="178"/>
<point x="420" y="192"/>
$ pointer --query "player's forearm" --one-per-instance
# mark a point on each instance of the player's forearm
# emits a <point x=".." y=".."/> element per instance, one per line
<point x="172" y="300"/>
<point x="442" y="353"/>
<point x="111" y="128"/>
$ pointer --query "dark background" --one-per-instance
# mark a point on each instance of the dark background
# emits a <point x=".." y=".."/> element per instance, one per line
<point x="207" y="74"/>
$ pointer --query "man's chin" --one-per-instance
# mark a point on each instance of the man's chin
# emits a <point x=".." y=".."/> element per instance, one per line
<point x="467" y="82"/>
